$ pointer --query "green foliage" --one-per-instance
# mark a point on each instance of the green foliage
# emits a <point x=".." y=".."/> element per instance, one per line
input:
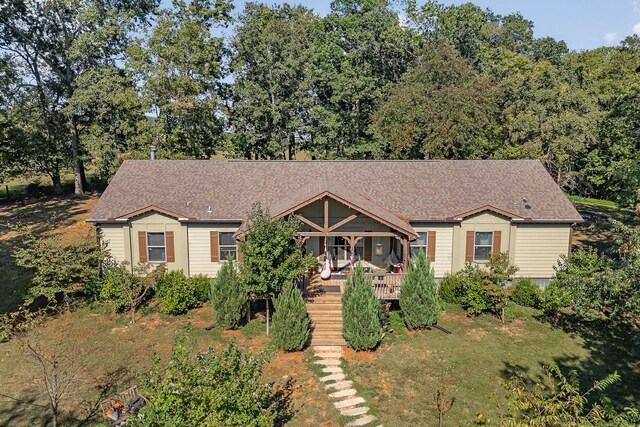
<point x="271" y="256"/>
<point x="59" y="268"/>
<point x="202" y="285"/>
<point x="177" y="294"/>
<point x="558" y="401"/>
<point x="123" y="289"/>
<point x="452" y="288"/>
<point x="554" y="298"/>
<point x="208" y="389"/>
<point x="291" y="321"/>
<point x="419" y="295"/>
<point x="361" y="325"/>
<point x="526" y="292"/>
<point x="228" y="297"/>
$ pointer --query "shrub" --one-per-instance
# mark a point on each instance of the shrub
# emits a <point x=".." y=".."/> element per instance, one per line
<point x="202" y="285"/>
<point x="452" y="289"/>
<point x="59" y="268"/>
<point x="418" y="294"/>
<point x="290" y="321"/>
<point x="228" y="298"/>
<point x="209" y="390"/>
<point x="526" y="292"/>
<point x="122" y="289"/>
<point x="554" y="297"/>
<point x="361" y="324"/>
<point x="176" y="294"/>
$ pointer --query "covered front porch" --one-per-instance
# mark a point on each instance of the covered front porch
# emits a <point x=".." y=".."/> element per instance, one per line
<point x="386" y="286"/>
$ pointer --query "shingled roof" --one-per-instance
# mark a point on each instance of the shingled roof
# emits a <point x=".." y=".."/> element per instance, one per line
<point x="429" y="190"/>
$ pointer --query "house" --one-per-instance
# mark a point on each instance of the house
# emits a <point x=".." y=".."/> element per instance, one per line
<point x="190" y="213"/>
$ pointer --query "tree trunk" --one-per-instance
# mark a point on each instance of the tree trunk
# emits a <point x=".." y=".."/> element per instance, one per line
<point x="75" y="153"/>
<point x="83" y="175"/>
<point x="57" y="183"/>
<point x="133" y="315"/>
<point x="54" y="418"/>
<point x="267" y="316"/>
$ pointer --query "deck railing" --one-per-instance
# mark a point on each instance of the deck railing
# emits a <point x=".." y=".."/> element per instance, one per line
<point x="387" y="287"/>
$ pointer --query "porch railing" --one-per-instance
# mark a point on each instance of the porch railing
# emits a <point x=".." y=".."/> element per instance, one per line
<point x="387" y="287"/>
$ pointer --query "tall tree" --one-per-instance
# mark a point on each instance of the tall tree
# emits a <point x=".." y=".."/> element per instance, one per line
<point x="54" y="52"/>
<point x="360" y="51"/>
<point x="270" y="63"/>
<point x="442" y="108"/>
<point x="180" y="65"/>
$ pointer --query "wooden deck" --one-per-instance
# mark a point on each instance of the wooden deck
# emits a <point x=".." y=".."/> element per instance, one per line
<point x="386" y="287"/>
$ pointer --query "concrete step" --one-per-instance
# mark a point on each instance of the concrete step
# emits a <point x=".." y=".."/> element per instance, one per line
<point x="332" y="370"/>
<point x="349" y="402"/>
<point x="332" y="355"/>
<point x="362" y="421"/>
<point x="340" y="385"/>
<point x="353" y="412"/>
<point x="343" y="393"/>
<point x="332" y="377"/>
<point x="328" y="362"/>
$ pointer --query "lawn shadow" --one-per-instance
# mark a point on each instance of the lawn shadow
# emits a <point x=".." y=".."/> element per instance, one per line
<point x="612" y="347"/>
<point x="40" y="216"/>
<point x="283" y="402"/>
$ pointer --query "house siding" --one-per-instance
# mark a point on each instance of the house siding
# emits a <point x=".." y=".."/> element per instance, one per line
<point x="444" y="246"/>
<point x="113" y="238"/>
<point x="485" y="221"/>
<point x="199" y="236"/>
<point x="538" y="248"/>
<point x="161" y="223"/>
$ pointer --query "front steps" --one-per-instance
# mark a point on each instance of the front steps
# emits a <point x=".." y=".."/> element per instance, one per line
<point x="325" y="311"/>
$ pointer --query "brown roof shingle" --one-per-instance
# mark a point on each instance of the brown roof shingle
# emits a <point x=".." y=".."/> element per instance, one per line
<point x="429" y="190"/>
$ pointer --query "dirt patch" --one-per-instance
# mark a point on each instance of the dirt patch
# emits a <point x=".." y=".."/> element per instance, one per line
<point x="515" y="328"/>
<point x="477" y="333"/>
<point x="358" y="356"/>
<point x="457" y="317"/>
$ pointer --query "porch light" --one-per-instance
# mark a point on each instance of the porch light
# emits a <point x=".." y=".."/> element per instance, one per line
<point x="379" y="248"/>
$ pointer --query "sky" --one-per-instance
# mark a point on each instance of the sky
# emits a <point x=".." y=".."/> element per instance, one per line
<point x="582" y="24"/>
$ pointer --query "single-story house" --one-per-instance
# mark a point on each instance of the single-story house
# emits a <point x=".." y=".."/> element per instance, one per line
<point x="190" y="213"/>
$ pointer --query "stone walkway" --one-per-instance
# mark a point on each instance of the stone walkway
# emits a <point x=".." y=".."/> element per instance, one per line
<point x="341" y="389"/>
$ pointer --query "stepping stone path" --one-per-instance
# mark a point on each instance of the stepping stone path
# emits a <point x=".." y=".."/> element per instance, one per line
<point x="340" y="389"/>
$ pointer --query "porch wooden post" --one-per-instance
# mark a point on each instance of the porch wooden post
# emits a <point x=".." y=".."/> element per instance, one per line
<point x="326" y="214"/>
<point x="405" y="254"/>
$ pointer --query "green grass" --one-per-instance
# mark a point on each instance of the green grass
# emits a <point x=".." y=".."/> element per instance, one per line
<point x="593" y="202"/>
<point x="401" y="377"/>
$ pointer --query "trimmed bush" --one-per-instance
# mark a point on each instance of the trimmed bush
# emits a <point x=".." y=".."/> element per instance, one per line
<point x="419" y="295"/>
<point x="176" y="294"/>
<point x="228" y="297"/>
<point x="452" y="289"/>
<point x="202" y="285"/>
<point x="291" y="321"/>
<point x="361" y="324"/>
<point x="526" y="292"/>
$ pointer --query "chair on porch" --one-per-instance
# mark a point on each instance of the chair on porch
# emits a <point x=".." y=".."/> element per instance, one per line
<point x="394" y="265"/>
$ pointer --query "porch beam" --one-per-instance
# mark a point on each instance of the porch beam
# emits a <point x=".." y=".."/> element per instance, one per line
<point x="343" y="222"/>
<point x="310" y="223"/>
<point x="350" y="233"/>
<point x="326" y="213"/>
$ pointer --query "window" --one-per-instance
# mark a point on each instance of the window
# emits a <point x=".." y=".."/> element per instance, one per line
<point x="227" y="246"/>
<point x="483" y="243"/>
<point x="420" y="244"/>
<point x="156" y="247"/>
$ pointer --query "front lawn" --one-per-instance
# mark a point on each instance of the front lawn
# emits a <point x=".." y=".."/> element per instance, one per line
<point x="400" y="378"/>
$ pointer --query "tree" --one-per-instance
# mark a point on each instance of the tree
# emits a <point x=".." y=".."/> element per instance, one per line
<point x="361" y="324"/>
<point x="563" y="403"/>
<point x="127" y="290"/>
<point x="179" y="63"/>
<point x="441" y="109"/>
<point x="59" y="268"/>
<point x="419" y="294"/>
<point x="209" y="390"/>
<point x="228" y="296"/>
<point x="271" y="89"/>
<point x="54" y="52"/>
<point x="271" y="256"/>
<point x="290" y="321"/>
<point x="500" y="273"/>
<point x="360" y="50"/>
